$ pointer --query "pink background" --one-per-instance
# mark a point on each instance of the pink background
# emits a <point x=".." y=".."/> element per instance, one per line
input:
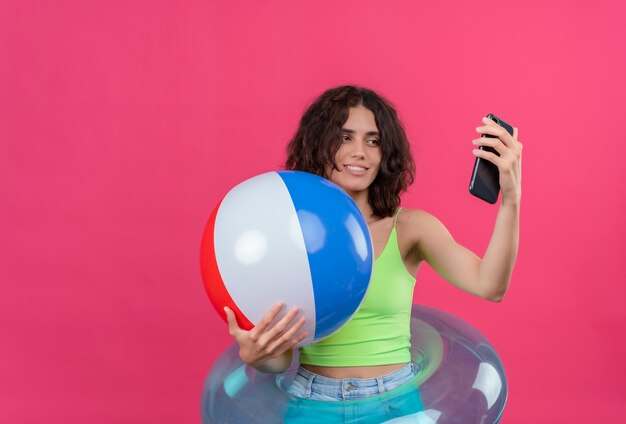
<point x="123" y="123"/>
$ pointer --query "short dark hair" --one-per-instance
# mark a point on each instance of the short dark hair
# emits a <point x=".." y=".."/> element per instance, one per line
<point x="318" y="138"/>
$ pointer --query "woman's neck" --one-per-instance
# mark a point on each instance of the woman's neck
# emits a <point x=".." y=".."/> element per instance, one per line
<point x="362" y="201"/>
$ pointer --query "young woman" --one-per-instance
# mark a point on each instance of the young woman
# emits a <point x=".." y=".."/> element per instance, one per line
<point x="352" y="136"/>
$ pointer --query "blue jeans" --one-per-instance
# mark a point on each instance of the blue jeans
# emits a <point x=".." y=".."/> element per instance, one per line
<point x="353" y="400"/>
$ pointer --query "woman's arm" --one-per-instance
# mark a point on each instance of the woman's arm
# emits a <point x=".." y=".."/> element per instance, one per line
<point x="494" y="272"/>
<point x="487" y="277"/>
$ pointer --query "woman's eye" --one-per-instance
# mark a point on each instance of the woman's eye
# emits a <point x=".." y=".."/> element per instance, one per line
<point x="346" y="138"/>
<point x="373" y="142"/>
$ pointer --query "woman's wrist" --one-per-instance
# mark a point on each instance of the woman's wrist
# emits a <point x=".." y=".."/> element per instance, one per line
<point x="511" y="200"/>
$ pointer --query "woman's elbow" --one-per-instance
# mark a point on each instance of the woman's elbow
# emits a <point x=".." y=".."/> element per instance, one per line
<point x="495" y="296"/>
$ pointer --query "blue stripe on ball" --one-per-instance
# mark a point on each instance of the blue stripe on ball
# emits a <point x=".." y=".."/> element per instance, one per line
<point x="340" y="266"/>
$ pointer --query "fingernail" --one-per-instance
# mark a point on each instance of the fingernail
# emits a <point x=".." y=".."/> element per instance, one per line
<point x="475" y="151"/>
<point x="485" y="119"/>
<point x="477" y="129"/>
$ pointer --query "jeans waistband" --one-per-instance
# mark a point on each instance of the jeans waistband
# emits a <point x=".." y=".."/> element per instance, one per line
<point x="353" y="388"/>
<point x="406" y="371"/>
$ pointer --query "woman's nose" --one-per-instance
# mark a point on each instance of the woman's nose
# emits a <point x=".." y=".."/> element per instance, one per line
<point x="358" y="150"/>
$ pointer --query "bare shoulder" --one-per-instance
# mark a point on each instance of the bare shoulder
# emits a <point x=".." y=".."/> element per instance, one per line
<point x="416" y="220"/>
<point x="417" y="229"/>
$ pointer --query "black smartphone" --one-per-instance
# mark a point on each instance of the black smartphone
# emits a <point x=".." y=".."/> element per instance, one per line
<point x="485" y="181"/>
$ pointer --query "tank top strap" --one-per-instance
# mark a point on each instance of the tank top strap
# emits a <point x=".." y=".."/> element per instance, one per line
<point x="395" y="219"/>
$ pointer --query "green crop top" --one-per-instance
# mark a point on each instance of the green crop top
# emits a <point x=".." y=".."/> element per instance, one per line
<point x="379" y="333"/>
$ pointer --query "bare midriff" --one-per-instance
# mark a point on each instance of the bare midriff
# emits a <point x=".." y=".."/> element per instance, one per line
<point x="354" y="372"/>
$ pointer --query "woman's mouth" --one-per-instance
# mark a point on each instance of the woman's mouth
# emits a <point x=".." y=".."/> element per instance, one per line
<point x="355" y="170"/>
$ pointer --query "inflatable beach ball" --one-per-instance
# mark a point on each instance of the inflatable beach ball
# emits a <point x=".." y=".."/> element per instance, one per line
<point x="292" y="237"/>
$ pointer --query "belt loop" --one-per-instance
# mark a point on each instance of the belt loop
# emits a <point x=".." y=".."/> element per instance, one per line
<point x="309" y="383"/>
<point x="381" y="385"/>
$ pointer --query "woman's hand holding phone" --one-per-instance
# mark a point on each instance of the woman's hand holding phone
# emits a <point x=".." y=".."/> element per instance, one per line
<point x="498" y="145"/>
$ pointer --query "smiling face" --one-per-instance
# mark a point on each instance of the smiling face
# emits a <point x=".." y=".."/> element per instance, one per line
<point x="359" y="156"/>
<point x="332" y="130"/>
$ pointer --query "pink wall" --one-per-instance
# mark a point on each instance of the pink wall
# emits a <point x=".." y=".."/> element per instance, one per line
<point x="122" y="123"/>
